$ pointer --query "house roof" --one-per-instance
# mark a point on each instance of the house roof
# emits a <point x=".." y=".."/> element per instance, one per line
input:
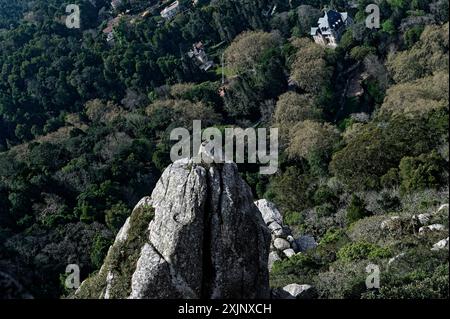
<point x="112" y="24"/>
<point x="171" y="7"/>
<point x="332" y="20"/>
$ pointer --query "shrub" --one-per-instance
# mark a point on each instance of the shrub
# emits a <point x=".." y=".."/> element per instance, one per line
<point x="362" y="250"/>
<point x="325" y="194"/>
<point x="332" y="236"/>
<point x="116" y="216"/>
<point x="121" y="260"/>
<point x="332" y="241"/>
<point x="325" y="210"/>
<point x="302" y="267"/>
<point x="356" y="210"/>
<point x="99" y="250"/>
<point x="342" y="281"/>
<point x="292" y="190"/>
<point x="419" y="274"/>
<point x="360" y="52"/>
<point x="390" y="179"/>
<point x="419" y="173"/>
<point x="292" y="218"/>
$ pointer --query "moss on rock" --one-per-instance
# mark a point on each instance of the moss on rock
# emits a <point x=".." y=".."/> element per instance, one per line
<point x="114" y="277"/>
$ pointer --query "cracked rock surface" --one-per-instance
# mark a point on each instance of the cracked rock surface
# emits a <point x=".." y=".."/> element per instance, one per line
<point x="207" y="240"/>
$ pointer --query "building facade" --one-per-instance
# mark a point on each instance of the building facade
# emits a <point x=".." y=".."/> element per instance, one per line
<point x="330" y="28"/>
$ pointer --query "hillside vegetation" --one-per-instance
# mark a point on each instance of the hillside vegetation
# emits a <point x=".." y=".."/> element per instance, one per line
<point x="85" y="124"/>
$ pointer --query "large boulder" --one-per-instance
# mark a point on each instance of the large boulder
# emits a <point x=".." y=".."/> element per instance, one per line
<point x="305" y="243"/>
<point x="207" y="240"/>
<point x="269" y="212"/>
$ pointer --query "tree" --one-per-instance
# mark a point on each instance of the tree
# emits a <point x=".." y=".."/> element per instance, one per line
<point x="422" y="172"/>
<point x="426" y="57"/>
<point x="115" y="216"/>
<point x="245" y="52"/>
<point x="419" y="96"/>
<point x="182" y="112"/>
<point x="307" y="17"/>
<point x="380" y="145"/>
<point x="310" y="69"/>
<point x="292" y="108"/>
<point x="292" y="190"/>
<point x="314" y="142"/>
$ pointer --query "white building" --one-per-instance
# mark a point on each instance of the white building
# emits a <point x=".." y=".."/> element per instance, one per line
<point x="330" y="28"/>
<point x="171" y="11"/>
<point x="198" y="53"/>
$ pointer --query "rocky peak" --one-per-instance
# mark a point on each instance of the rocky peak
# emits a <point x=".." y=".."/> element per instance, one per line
<point x="207" y="240"/>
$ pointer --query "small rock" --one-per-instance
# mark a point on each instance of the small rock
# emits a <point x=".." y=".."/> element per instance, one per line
<point x="440" y="245"/>
<point x="305" y="243"/>
<point x="289" y="252"/>
<point x="434" y="227"/>
<point x="424" y="218"/>
<point x="293" y="243"/>
<point x="281" y="244"/>
<point x="445" y="206"/>
<point x="273" y="257"/>
<point x="391" y="223"/>
<point x="274" y="226"/>
<point x="299" y="291"/>
<point x="276" y="229"/>
<point x="394" y="259"/>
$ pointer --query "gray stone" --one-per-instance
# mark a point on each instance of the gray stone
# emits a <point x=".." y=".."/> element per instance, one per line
<point x="423" y="218"/>
<point x="279" y="293"/>
<point x="440" y="245"/>
<point x="289" y="252"/>
<point x="431" y="228"/>
<point x="151" y="271"/>
<point x="299" y="291"/>
<point x="281" y="244"/>
<point x="305" y="243"/>
<point x="269" y="212"/>
<point x="396" y="258"/>
<point x="206" y="240"/>
<point x="273" y="257"/>
<point x="443" y="208"/>
<point x="274" y="227"/>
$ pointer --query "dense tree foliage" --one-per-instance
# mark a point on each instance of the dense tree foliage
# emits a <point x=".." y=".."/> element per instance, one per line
<point x="85" y="123"/>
